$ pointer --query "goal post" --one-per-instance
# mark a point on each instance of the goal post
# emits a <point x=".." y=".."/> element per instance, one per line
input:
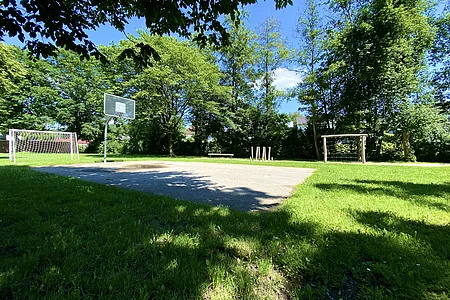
<point x="35" y="145"/>
<point x="345" y="147"/>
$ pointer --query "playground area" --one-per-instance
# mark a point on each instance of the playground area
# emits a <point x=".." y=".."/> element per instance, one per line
<point x="241" y="187"/>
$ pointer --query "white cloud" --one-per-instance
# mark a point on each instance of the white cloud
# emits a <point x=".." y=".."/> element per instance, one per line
<point x="285" y="79"/>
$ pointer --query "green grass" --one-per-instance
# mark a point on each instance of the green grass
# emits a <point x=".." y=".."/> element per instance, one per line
<point x="350" y="231"/>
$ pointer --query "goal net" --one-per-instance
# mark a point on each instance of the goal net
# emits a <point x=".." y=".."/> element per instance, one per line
<point x="45" y="146"/>
<point x="344" y="147"/>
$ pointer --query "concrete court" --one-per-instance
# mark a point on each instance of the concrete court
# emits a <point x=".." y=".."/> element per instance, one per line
<point x="242" y="187"/>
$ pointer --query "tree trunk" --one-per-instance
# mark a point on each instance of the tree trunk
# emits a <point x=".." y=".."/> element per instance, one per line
<point x="316" y="146"/>
<point x="406" y="145"/>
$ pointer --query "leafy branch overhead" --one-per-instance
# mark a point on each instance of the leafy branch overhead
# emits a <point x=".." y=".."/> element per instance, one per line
<point x="45" y="25"/>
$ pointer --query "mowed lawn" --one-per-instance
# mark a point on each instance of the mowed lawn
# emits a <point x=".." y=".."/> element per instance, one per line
<point x="350" y="231"/>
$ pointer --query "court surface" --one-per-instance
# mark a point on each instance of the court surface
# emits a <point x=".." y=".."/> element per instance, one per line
<point x="242" y="187"/>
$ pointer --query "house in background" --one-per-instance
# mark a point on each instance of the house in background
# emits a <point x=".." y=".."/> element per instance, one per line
<point x="302" y="121"/>
<point x="189" y="132"/>
<point x="83" y="144"/>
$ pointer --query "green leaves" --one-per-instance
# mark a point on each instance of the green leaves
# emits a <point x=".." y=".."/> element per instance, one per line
<point x="175" y="88"/>
<point x="272" y="54"/>
<point x="440" y="58"/>
<point x="46" y="26"/>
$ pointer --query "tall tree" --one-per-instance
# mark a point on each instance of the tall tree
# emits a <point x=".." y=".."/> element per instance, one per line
<point x="311" y="54"/>
<point x="181" y="81"/>
<point x="80" y="85"/>
<point x="237" y="62"/>
<point x="272" y="53"/>
<point x="11" y="72"/>
<point x="30" y="105"/>
<point x="382" y="50"/>
<point x="440" y="58"/>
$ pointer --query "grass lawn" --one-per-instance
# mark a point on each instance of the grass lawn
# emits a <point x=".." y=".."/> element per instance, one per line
<point x="350" y="231"/>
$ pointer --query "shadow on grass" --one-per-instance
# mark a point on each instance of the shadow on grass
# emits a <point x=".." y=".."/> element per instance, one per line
<point x="379" y="266"/>
<point x="414" y="192"/>
<point x="63" y="237"/>
<point x="436" y="236"/>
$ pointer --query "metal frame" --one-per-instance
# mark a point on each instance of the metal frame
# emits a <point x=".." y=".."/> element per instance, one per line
<point x="12" y="141"/>
<point x="362" y="138"/>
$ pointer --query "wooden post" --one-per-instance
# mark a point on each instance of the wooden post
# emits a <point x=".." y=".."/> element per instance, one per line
<point x="251" y="150"/>
<point x="264" y="153"/>
<point x="257" y="152"/>
<point x="268" y="155"/>
<point x="363" y="149"/>
<point x="324" y="149"/>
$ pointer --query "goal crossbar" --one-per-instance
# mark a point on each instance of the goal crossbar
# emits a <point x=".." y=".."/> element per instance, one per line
<point x="345" y="135"/>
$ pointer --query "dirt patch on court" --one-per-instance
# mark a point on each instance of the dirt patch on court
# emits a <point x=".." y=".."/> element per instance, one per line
<point x="142" y="167"/>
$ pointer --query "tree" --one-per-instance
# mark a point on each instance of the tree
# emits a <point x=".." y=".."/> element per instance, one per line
<point x="31" y="104"/>
<point x="44" y="25"/>
<point x="440" y="58"/>
<point x="419" y="123"/>
<point x="237" y="63"/>
<point x="273" y="52"/>
<point x="11" y="72"/>
<point x="311" y="53"/>
<point x="183" y="80"/>
<point x="80" y="85"/>
<point x="381" y="50"/>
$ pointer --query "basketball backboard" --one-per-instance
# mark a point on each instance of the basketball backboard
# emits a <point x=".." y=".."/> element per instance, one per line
<point x="115" y="106"/>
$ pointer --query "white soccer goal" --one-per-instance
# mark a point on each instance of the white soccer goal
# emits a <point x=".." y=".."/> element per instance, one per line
<point x="34" y="145"/>
<point x="344" y="147"/>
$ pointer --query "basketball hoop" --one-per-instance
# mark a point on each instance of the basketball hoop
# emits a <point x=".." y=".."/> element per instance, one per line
<point x="120" y="107"/>
<point x="116" y="107"/>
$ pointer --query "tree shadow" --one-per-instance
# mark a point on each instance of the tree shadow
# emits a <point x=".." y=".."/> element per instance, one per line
<point x="183" y="185"/>
<point x="437" y="236"/>
<point x="378" y="266"/>
<point x="414" y="189"/>
<point x="414" y="192"/>
<point x="71" y="238"/>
